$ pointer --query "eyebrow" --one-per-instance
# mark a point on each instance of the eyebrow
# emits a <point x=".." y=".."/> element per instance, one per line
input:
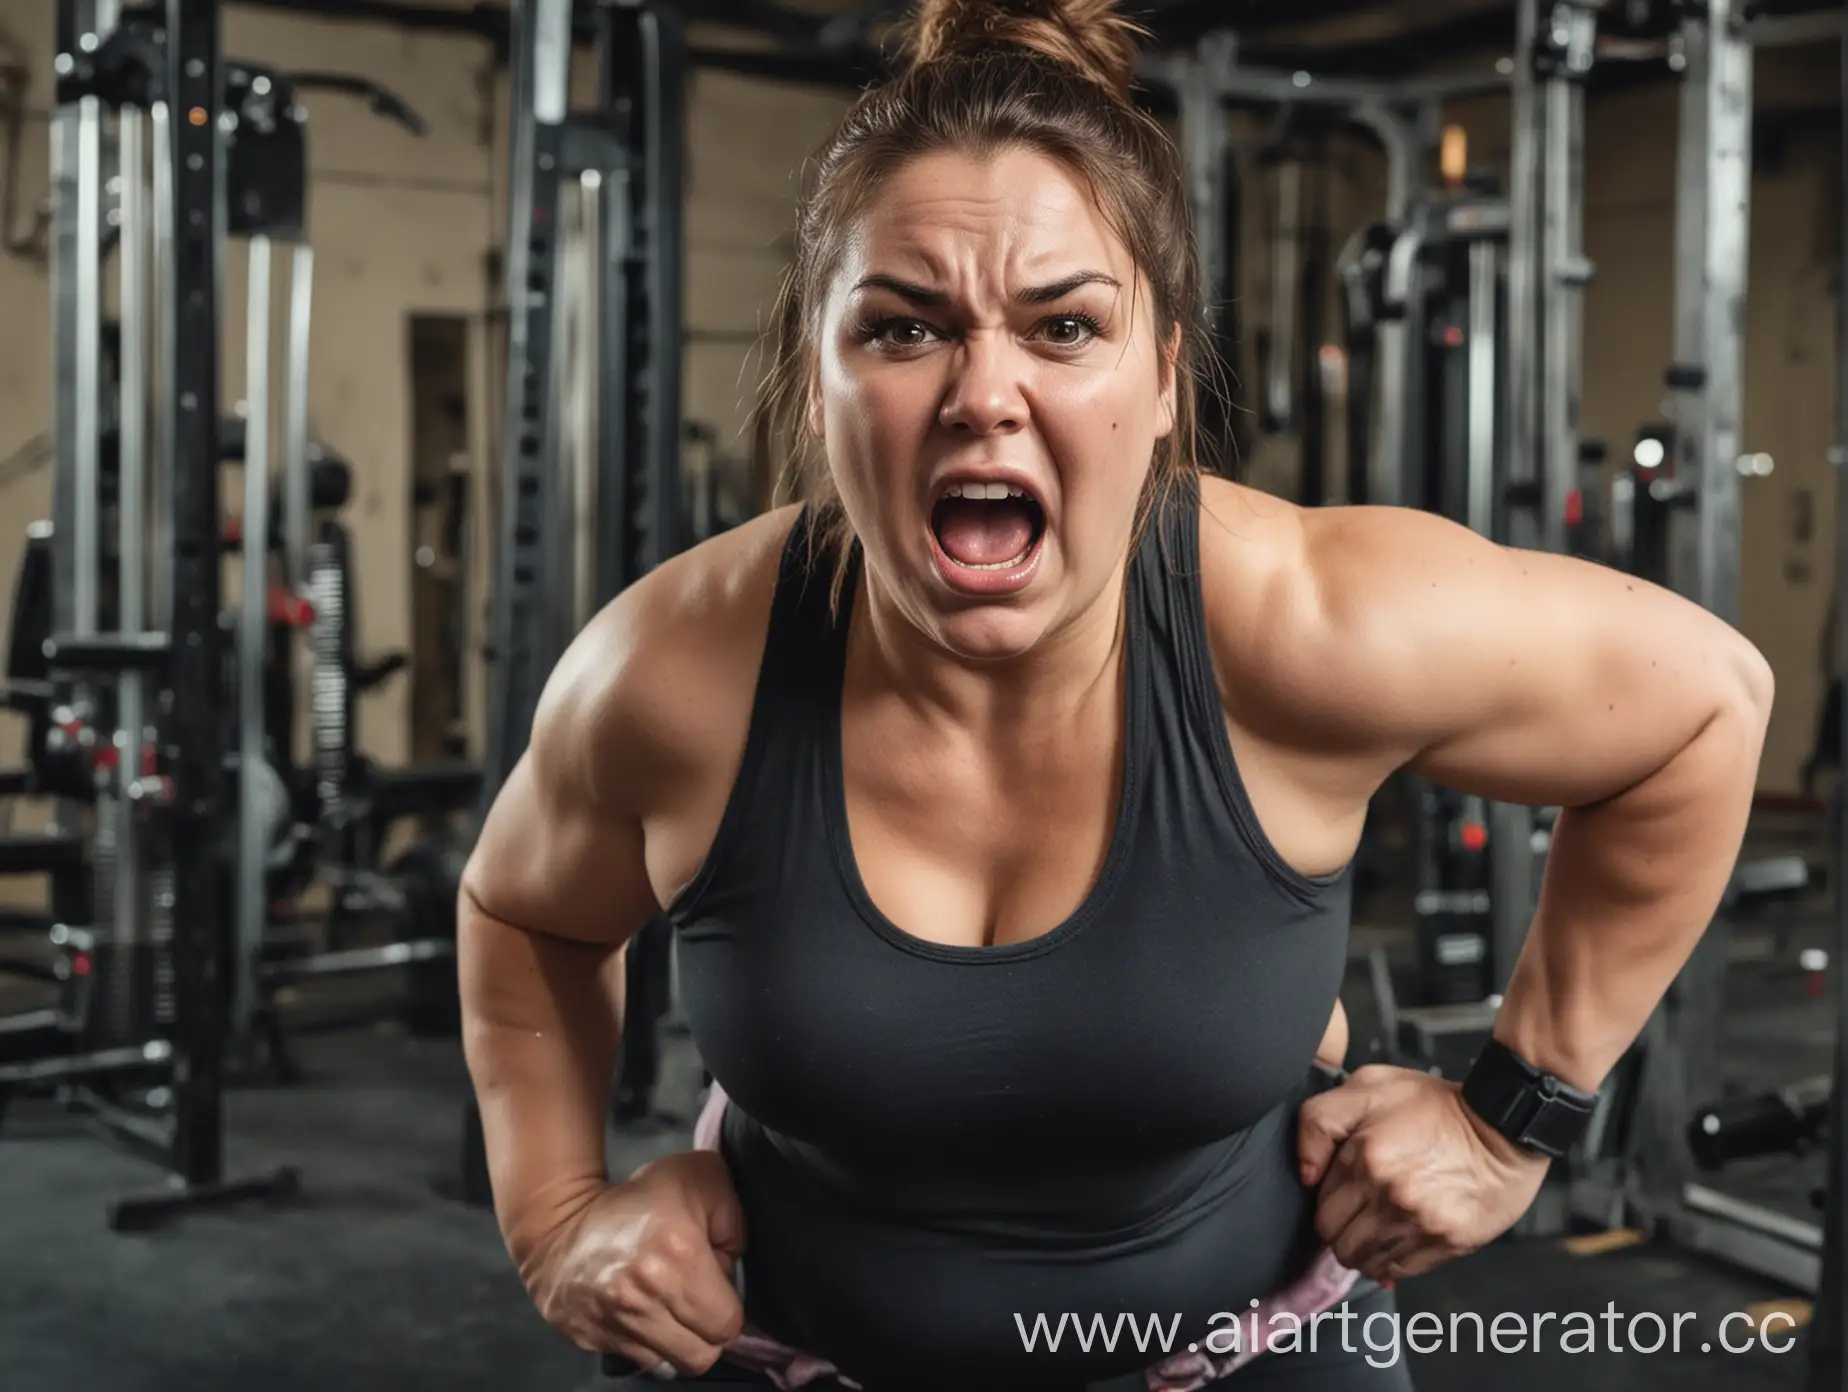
<point x="1033" y="295"/>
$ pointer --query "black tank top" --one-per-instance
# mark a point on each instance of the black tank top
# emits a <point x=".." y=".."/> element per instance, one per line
<point x="935" y="1145"/>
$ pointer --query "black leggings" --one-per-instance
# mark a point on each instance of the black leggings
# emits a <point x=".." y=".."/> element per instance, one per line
<point x="1336" y="1359"/>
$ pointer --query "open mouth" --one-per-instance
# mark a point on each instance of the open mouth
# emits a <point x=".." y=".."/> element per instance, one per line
<point x="992" y="527"/>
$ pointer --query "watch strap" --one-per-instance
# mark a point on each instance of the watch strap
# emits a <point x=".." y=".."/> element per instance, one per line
<point x="1530" y="1107"/>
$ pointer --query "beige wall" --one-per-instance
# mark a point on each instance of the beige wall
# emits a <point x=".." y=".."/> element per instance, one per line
<point x="403" y="226"/>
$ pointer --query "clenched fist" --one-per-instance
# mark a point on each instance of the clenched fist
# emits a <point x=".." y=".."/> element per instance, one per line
<point x="645" y="1269"/>
<point x="1410" y="1178"/>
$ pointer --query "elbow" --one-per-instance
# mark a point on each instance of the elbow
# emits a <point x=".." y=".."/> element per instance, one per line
<point x="1754" y="684"/>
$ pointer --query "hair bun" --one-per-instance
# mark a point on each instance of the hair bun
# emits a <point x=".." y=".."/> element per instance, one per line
<point x="1088" y="35"/>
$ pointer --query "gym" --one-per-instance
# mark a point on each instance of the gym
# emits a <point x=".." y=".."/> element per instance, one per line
<point x="461" y="306"/>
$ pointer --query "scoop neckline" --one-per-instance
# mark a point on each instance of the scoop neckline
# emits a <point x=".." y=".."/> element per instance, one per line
<point x="1133" y="728"/>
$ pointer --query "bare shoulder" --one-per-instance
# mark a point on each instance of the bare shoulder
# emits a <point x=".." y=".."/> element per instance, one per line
<point x="1365" y="639"/>
<point x="661" y="680"/>
<point x="1260" y="600"/>
<point x="1309" y="610"/>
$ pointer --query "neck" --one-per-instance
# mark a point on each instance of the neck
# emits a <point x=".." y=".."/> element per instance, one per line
<point x="1056" y="677"/>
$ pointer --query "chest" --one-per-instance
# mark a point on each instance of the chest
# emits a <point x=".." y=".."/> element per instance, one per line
<point x="1166" y="1017"/>
<point x="979" y="841"/>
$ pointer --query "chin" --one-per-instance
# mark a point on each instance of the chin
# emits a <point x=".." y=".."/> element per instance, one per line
<point x="989" y="633"/>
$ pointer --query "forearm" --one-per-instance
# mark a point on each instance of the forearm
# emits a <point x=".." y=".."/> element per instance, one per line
<point x="541" y="1026"/>
<point x="1631" y="885"/>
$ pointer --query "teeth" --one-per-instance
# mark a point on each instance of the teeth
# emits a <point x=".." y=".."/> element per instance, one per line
<point x="983" y="492"/>
<point x="1014" y="564"/>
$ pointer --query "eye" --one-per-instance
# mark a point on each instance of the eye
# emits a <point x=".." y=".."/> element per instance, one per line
<point x="899" y="333"/>
<point x="1070" y="330"/>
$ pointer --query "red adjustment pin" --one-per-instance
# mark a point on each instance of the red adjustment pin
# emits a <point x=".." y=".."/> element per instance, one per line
<point x="287" y="610"/>
<point x="1575" y="508"/>
<point x="1475" y="836"/>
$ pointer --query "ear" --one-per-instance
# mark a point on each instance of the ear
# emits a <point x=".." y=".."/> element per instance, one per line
<point x="817" y="418"/>
<point x="1170" y="366"/>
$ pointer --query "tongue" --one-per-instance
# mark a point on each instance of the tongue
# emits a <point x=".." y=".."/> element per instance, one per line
<point x="984" y="533"/>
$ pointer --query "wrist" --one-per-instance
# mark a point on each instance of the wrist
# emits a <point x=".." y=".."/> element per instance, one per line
<point x="532" y="1228"/>
<point x="1500" y="1149"/>
<point x="1526" y="1107"/>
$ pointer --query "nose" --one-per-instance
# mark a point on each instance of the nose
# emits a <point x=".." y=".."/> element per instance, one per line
<point x="985" y="397"/>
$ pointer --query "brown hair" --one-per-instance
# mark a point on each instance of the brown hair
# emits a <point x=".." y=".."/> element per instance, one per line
<point x="1052" y="76"/>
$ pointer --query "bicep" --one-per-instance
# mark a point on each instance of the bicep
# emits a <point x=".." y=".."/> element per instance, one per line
<point x="561" y="849"/>
<point x="551" y="863"/>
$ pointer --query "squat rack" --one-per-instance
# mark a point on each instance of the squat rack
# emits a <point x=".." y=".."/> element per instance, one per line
<point x="595" y="219"/>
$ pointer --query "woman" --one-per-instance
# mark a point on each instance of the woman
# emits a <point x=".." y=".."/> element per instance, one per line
<point x="1002" y="796"/>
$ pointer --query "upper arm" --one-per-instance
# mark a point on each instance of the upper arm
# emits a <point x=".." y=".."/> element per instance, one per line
<point x="1520" y="676"/>
<point x="561" y="849"/>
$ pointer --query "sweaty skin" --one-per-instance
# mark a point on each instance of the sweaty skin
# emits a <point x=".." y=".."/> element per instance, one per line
<point x="980" y="745"/>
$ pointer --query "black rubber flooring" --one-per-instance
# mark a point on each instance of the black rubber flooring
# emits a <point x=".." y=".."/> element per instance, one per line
<point x="376" y="1277"/>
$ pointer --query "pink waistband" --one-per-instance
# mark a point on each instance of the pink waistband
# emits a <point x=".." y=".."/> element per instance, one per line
<point x="1321" y="1288"/>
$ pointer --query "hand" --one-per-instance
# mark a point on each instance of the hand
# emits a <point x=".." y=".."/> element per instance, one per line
<point x="1410" y="1178"/>
<point x="645" y="1269"/>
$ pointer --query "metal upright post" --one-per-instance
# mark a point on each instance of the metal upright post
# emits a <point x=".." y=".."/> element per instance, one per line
<point x="1712" y="253"/>
<point x="160" y="414"/>
<point x="1206" y="144"/>
<point x="134" y="256"/>
<point x="1281" y="384"/>
<point x="1512" y="857"/>
<point x="295" y="490"/>
<point x="252" y="653"/>
<point x="1207" y="152"/>
<point x="540" y="72"/>
<point x="1484" y="378"/>
<point x="195" y="674"/>
<point x="1563" y="269"/>
<point x="663" y="94"/>
<point x="1525" y="250"/>
<point x="1681" y="1047"/>
<point x="77" y="250"/>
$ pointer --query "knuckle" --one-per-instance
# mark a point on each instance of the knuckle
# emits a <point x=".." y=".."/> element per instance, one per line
<point x="1401" y="1195"/>
<point x="676" y="1246"/>
<point x="624" y="1297"/>
<point x="651" y="1272"/>
<point x="1371" y="1154"/>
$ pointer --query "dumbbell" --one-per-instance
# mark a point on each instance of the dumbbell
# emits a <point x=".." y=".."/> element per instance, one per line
<point x="1785" y="1120"/>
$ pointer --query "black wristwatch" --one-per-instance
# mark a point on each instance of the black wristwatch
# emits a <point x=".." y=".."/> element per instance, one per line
<point x="1533" y="1109"/>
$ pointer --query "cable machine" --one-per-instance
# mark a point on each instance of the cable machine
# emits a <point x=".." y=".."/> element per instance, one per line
<point x="133" y="662"/>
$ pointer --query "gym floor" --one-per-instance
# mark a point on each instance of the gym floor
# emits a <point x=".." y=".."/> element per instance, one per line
<point x="377" y="1277"/>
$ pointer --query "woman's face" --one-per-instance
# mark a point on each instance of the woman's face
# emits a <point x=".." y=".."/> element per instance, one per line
<point x="989" y="393"/>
